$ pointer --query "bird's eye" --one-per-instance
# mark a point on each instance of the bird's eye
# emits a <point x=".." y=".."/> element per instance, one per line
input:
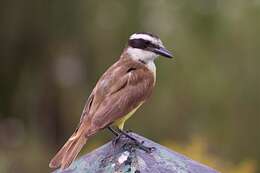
<point x="147" y="42"/>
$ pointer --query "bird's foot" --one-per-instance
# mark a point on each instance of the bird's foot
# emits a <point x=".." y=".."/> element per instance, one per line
<point x="137" y="143"/>
<point x="128" y="131"/>
<point x="116" y="139"/>
<point x="141" y="146"/>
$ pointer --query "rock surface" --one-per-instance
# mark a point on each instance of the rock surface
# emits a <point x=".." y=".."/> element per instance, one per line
<point x="124" y="157"/>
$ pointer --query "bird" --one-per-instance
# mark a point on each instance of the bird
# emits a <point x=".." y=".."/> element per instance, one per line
<point x="119" y="92"/>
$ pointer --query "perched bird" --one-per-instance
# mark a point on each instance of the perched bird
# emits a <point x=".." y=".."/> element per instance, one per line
<point x="120" y="91"/>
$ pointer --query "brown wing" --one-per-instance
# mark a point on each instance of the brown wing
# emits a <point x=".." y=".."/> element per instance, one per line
<point x="122" y="87"/>
<point x="136" y="89"/>
<point x="110" y="82"/>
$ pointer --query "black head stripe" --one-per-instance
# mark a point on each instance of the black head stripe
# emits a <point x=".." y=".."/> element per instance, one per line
<point x="141" y="43"/>
<point x="138" y="43"/>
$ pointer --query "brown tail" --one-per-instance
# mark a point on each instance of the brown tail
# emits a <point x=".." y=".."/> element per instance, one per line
<point x="69" y="151"/>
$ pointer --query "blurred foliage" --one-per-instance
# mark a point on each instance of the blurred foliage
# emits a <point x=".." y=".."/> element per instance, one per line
<point x="53" y="52"/>
<point x="198" y="150"/>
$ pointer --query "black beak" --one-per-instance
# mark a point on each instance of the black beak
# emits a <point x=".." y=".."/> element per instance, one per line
<point x="162" y="51"/>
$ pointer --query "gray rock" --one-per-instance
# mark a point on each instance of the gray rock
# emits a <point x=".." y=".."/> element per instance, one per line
<point x="124" y="157"/>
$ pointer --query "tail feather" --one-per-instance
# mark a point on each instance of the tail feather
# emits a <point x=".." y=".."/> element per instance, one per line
<point x="73" y="151"/>
<point x="69" y="151"/>
<point x="56" y="160"/>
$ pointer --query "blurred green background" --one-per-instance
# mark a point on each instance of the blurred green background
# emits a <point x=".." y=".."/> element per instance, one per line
<point x="206" y="103"/>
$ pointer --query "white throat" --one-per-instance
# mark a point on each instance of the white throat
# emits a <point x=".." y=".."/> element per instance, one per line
<point x="144" y="56"/>
<point x="139" y="54"/>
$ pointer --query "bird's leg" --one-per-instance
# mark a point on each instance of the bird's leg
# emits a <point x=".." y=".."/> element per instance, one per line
<point x="117" y="135"/>
<point x="137" y="143"/>
<point x="114" y="132"/>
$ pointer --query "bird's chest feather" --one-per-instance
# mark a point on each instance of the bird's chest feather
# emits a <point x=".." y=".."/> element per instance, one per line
<point x="151" y="66"/>
<point x="121" y="121"/>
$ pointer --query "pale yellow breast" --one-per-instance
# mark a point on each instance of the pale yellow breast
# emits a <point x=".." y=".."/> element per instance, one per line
<point x="121" y="121"/>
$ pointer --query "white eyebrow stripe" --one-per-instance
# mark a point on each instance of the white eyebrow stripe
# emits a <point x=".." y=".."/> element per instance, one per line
<point x="146" y="37"/>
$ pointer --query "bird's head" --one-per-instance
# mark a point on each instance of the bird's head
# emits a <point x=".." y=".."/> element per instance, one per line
<point x="146" y="47"/>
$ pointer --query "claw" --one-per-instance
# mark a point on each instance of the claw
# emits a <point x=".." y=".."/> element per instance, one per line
<point x="128" y="131"/>
<point x="153" y="148"/>
<point x="116" y="140"/>
<point x="145" y="148"/>
<point x="138" y="144"/>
